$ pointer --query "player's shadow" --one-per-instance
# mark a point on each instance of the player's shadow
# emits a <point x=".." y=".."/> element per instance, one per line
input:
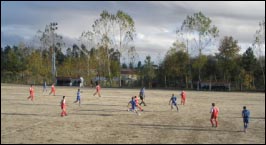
<point x="263" y="118"/>
<point x="32" y="103"/>
<point x="23" y="114"/>
<point x="52" y="95"/>
<point x="101" y="112"/>
<point x="104" y="110"/>
<point x="90" y="114"/>
<point x="100" y="105"/>
<point x="260" y="118"/>
<point x="175" y="127"/>
<point x="12" y="99"/>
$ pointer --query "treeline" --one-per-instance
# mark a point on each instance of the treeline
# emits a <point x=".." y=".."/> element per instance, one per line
<point x="20" y="64"/>
<point x="101" y="48"/>
<point x="242" y="71"/>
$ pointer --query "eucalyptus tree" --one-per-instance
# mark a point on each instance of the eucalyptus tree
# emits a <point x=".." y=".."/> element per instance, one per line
<point x="227" y="56"/>
<point x="259" y="45"/>
<point x="202" y="32"/>
<point x="51" y="41"/>
<point x="148" y="70"/>
<point x="113" y="31"/>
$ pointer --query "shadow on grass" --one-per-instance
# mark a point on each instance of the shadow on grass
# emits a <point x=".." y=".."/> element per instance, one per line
<point x="189" y="128"/>
<point x="104" y="110"/>
<point x="24" y="114"/>
<point x="260" y="118"/>
<point x="100" y="105"/>
<point x="33" y="103"/>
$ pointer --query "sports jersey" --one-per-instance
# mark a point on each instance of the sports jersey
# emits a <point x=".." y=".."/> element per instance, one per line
<point x="98" y="88"/>
<point x="133" y="104"/>
<point x="214" y="111"/>
<point x="31" y="91"/>
<point x="173" y="100"/>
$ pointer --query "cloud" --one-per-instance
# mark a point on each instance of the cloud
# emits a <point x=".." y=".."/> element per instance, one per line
<point x="155" y="21"/>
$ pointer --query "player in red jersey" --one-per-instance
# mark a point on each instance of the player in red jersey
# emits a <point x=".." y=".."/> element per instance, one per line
<point x="214" y="115"/>
<point x="98" y="90"/>
<point x="31" y="93"/>
<point x="137" y="103"/>
<point x="52" y="89"/>
<point x="183" y="97"/>
<point x="63" y="107"/>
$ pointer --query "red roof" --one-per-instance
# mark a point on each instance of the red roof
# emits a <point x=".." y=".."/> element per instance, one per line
<point x="128" y="71"/>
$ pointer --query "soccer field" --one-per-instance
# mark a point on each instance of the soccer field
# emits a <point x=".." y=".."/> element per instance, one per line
<point x="106" y="119"/>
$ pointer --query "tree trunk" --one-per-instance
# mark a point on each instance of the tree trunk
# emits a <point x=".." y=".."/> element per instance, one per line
<point x="198" y="87"/>
<point x="186" y="81"/>
<point x="108" y="65"/>
<point x="263" y="73"/>
<point x="165" y="82"/>
<point x="210" y="85"/>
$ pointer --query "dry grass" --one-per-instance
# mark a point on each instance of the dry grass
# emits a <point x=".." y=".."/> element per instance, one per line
<point x="105" y="120"/>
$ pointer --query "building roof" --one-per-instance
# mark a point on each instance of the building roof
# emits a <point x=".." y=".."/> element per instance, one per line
<point x="128" y="71"/>
<point x="66" y="78"/>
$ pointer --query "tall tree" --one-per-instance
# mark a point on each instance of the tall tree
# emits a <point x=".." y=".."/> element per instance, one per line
<point x="248" y="63"/>
<point x="199" y="26"/>
<point x="113" y="31"/>
<point x="259" y="45"/>
<point x="51" y="40"/>
<point x="132" y="56"/>
<point x="211" y="69"/>
<point x="148" y="70"/>
<point x="176" y="62"/>
<point x="228" y="52"/>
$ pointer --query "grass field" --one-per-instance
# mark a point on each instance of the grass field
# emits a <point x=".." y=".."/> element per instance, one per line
<point x="105" y="120"/>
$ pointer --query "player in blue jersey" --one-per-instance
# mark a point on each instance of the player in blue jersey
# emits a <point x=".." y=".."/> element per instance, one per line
<point x="133" y="106"/>
<point x="173" y="102"/>
<point x="44" y="87"/>
<point x="245" y="115"/>
<point x="78" y="97"/>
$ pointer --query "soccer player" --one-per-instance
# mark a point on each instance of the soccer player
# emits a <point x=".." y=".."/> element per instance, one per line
<point x="98" y="90"/>
<point x="63" y="107"/>
<point x="214" y="115"/>
<point x="52" y="89"/>
<point x="44" y="87"/>
<point x="78" y="97"/>
<point x="183" y="97"/>
<point x="142" y="96"/>
<point x="133" y="105"/>
<point x="173" y="102"/>
<point x="137" y="103"/>
<point x="245" y="115"/>
<point x="31" y="93"/>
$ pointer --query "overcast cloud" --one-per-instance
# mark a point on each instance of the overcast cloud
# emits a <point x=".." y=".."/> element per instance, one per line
<point x="155" y="22"/>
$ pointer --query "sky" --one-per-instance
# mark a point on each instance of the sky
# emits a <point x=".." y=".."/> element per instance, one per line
<point x="155" y="21"/>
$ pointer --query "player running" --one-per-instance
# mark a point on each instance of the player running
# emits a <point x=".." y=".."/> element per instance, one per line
<point x="31" y="93"/>
<point x="137" y="103"/>
<point x="173" y="102"/>
<point x="52" y="89"/>
<point x="133" y="106"/>
<point x="63" y="107"/>
<point x="78" y="97"/>
<point x="98" y="90"/>
<point x="142" y="96"/>
<point x="44" y="87"/>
